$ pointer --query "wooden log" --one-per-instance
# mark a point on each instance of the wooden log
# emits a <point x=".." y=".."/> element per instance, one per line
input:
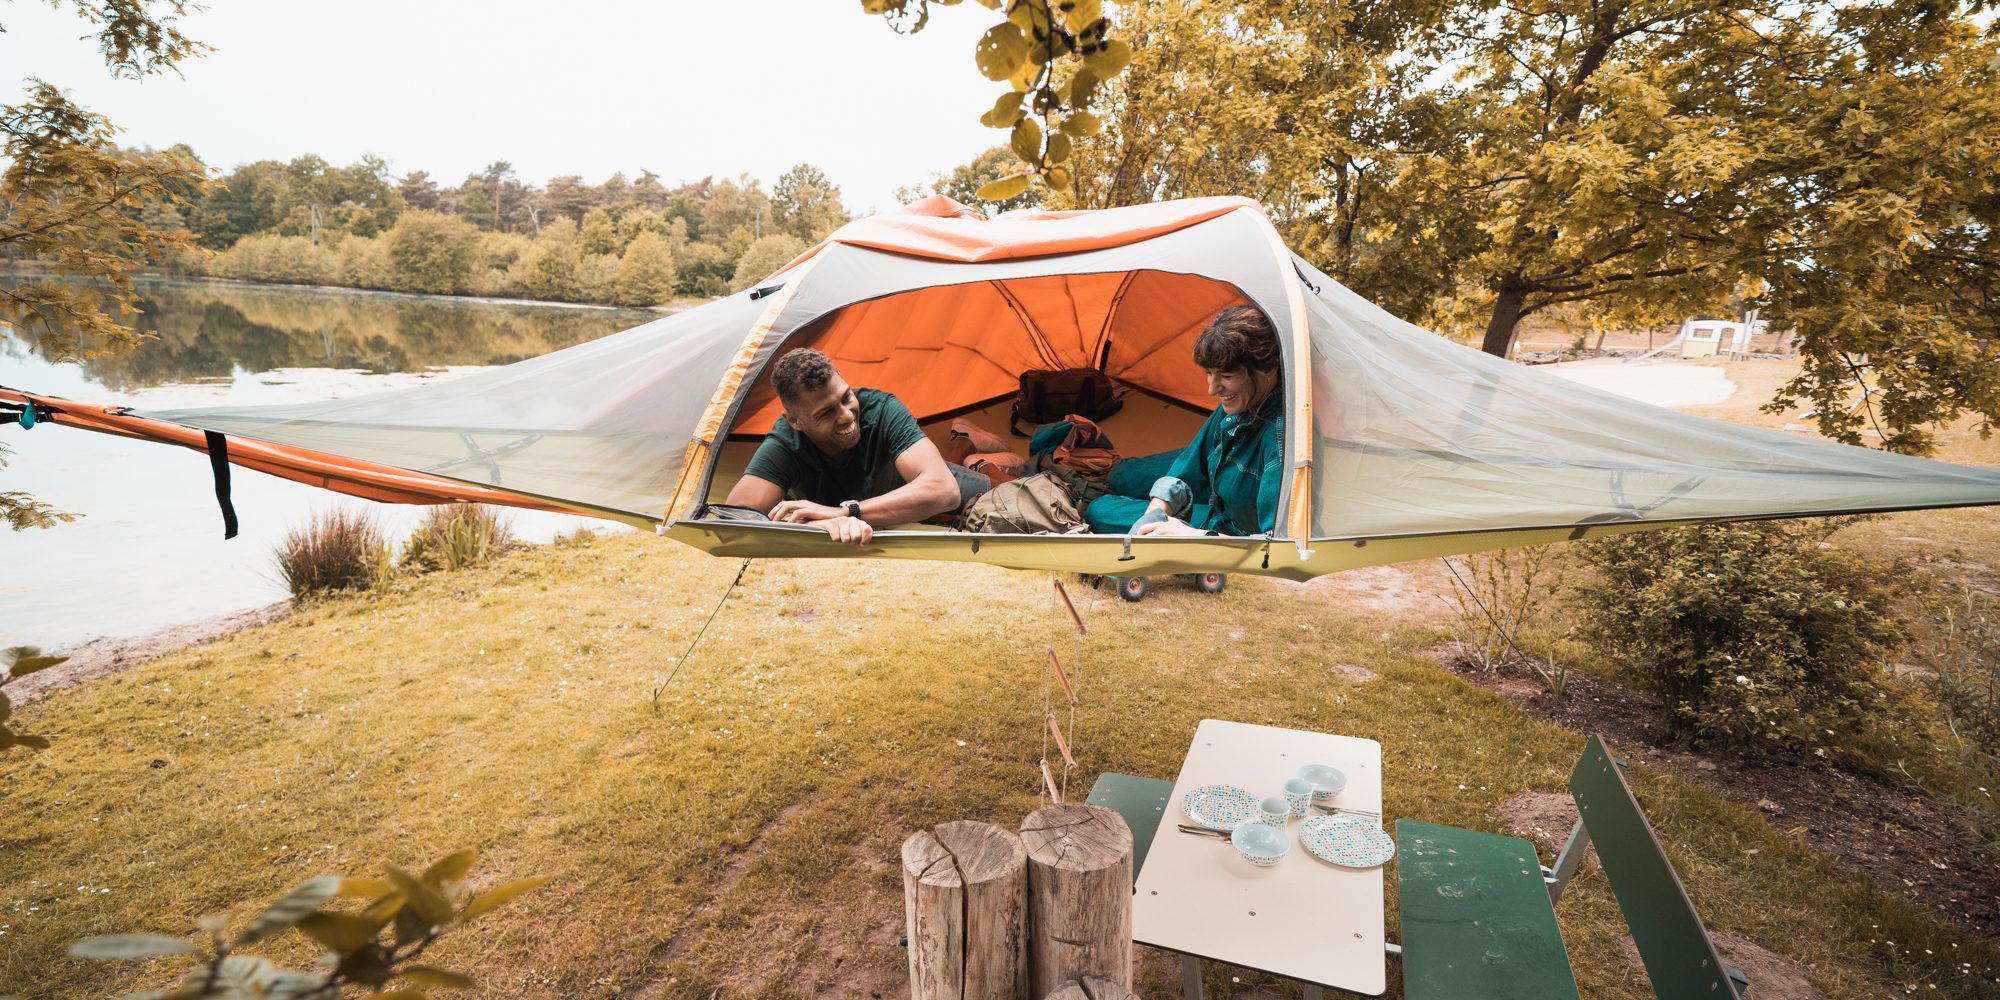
<point x="1079" y="896"/>
<point x="1092" y="988"/>
<point x="965" y="895"/>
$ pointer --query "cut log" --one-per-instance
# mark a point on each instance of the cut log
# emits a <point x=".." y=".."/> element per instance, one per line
<point x="965" y="895"/>
<point x="1092" y="988"/>
<point x="1079" y="896"/>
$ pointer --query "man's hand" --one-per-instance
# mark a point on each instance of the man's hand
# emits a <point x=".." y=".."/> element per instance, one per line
<point x="851" y="530"/>
<point x="1171" y="526"/>
<point x="805" y="512"/>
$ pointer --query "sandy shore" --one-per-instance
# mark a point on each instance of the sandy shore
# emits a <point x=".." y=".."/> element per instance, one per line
<point x="103" y="657"/>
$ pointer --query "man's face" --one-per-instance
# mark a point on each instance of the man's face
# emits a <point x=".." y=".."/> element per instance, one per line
<point x="829" y="416"/>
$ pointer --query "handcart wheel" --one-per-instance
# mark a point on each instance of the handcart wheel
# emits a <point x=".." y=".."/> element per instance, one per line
<point x="1210" y="583"/>
<point x="1132" y="588"/>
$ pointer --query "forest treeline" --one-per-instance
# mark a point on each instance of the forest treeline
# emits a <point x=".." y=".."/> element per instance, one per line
<point x="634" y="242"/>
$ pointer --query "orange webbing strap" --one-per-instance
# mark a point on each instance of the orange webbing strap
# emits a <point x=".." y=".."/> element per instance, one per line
<point x="689" y="486"/>
<point x="1298" y="513"/>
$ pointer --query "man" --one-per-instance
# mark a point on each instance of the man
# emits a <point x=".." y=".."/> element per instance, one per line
<point x="843" y="459"/>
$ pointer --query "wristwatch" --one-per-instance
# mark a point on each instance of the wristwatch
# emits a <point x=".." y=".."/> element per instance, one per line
<point x="853" y="509"/>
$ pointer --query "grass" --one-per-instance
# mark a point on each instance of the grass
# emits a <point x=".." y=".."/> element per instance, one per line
<point x="740" y="833"/>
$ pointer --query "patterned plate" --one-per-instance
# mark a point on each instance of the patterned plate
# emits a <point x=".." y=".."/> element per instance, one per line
<point x="1347" y="841"/>
<point x="1219" y="807"/>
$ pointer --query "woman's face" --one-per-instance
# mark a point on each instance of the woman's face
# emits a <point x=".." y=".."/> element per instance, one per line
<point x="1240" y="389"/>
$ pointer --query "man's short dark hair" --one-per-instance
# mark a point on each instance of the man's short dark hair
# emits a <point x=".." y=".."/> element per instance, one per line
<point x="800" y="371"/>
<point x="1238" y="338"/>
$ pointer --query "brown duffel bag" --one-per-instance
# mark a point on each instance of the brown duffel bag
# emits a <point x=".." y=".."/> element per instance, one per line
<point x="1035" y="505"/>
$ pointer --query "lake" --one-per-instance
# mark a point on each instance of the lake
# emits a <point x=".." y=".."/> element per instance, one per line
<point x="148" y="551"/>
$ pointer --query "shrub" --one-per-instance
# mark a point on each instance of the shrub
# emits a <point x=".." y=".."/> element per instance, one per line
<point x="705" y="269"/>
<point x="646" y="276"/>
<point x="293" y="260"/>
<point x="433" y="253"/>
<point x="1500" y="592"/>
<point x="364" y="263"/>
<point x="336" y="550"/>
<point x="1963" y="658"/>
<point x="457" y="536"/>
<point x="1752" y="631"/>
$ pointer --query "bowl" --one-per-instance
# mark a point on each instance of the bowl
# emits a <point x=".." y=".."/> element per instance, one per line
<point x="1260" y="844"/>
<point x="1327" y="781"/>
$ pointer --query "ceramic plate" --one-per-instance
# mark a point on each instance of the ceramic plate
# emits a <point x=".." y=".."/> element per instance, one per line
<point x="1219" y="807"/>
<point x="1347" y="841"/>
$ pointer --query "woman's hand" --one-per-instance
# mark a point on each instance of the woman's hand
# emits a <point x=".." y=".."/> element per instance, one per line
<point x="1172" y="526"/>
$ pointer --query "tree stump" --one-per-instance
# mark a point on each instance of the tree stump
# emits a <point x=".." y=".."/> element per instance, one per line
<point x="1079" y="896"/>
<point x="965" y="894"/>
<point x="1092" y="988"/>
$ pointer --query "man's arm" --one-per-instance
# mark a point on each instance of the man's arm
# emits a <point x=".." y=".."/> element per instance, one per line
<point x="928" y="488"/>
<point x="755" y="492"/>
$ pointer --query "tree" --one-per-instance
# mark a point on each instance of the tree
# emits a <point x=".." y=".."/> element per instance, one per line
<point x="72" y="198"/>
<point x="600" y="233"/>
<point x="419" y="191"/>
<point x="765" y="256"/>
<point x="474" y="206"/>
<point x="1634" y="157"/>
<point x="732" y="205"/>
<point x="705" y="270"/>
<point x="807" y="204"/>
<point x="433" y="253"/>
<point x="965" y="180"/>
<point x="646" y="274"/>
<point x="553" y="268"/>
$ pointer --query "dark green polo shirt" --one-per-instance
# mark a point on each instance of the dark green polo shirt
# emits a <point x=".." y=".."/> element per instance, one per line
<point x="794" y="464"/>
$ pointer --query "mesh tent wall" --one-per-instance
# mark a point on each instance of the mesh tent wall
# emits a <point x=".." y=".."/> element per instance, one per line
<point x="1401" y="443"/>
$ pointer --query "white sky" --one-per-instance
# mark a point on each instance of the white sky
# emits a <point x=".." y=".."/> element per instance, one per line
<point x="686" y="88"/>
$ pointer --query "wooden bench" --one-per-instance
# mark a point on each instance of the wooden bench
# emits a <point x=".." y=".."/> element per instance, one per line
<point x="1478" y="909"/>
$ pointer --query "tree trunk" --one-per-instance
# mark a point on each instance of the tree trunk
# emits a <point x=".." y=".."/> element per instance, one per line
<point x="1506" y="316"/>
<point x="965" y="896"/>
<point x="1091" y="988"/>
<point x="1079" y="896"/>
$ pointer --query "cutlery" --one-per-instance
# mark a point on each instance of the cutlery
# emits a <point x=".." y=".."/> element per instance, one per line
<point x="1202" y="831"/>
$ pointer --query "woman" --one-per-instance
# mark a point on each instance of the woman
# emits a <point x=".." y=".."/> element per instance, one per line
<point x="1225" y="482"/>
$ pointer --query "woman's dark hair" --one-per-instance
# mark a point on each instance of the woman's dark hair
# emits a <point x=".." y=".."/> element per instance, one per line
<point x="800" y="371"/>
<point x="1238" y="337"/>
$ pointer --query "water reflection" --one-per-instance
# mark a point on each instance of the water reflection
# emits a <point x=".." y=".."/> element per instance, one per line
<point x="206" y="330"/>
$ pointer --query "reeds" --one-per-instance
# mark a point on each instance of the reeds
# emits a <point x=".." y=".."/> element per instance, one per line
<point x="457" y="536"/>
<point x="336" y="550"/>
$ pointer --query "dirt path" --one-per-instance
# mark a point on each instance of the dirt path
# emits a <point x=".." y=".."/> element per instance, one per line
<point x="103" y="657"/>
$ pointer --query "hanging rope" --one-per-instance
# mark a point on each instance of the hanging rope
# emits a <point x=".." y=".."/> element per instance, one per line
<point x="696" y="641"/>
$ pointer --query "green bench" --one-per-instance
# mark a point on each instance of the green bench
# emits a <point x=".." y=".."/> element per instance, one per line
<point x="1478" y="910"/>
<point x="1141" y="801"/>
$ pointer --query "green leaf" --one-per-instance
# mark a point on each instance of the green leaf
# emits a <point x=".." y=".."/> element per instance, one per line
<point x="1059" y="178"/>
<point x="342" y="932"/>
<point x="1082" y="88"/>
<point x="1002" y="50"/>
<point x="1000" y="190"/>
<point x="1027" y="140"/>
<point x="282" y="983"/>
<point x="1058" y="148"/>
<point x="502" y="893"/>
<point x="1006" y="111"/>
<point x="129" y="947"/>
<point x="423" y="899"/>
<point x="1110" y="60"/>
<point x="31" y="742"/>
<point x="295" y="906"/>
<point x="29" y="664"/>
<point x="7" y="704"/>
<point x="436" y="978"/>
<point x="365" y="888"/>
<point x="1081" y="123"/>
<point x="450" y="868"/>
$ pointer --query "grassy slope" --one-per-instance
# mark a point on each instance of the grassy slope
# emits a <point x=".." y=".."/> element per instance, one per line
<point x="741" y="831"/>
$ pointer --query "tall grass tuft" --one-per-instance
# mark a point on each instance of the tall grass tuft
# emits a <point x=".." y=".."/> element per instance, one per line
<point x="336" y="550"/>
<point x="457" y="536"/>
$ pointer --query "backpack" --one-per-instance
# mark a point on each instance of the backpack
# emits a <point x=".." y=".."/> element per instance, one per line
<point x="1048" y="396"/>
<point x="1036" y="505"/>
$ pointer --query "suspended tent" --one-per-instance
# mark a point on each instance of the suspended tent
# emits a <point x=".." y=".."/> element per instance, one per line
<point x="1400" y="443"/>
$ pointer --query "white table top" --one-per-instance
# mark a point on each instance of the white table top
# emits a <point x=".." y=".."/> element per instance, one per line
<point x="1302" y="918"/>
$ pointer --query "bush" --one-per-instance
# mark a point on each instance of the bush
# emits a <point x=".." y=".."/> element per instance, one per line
<point x="292" y="260"/>
<point x="1498" y="593"/>
<point x="364" y="263"/>
<point x="1963" y="658"/>
<point x="457" y="536"/>
<point x="1753" y="631"/>
<point x="336" y="550"/>
<point x="705" y="269"/>
<point x="646" y="276"/>
<point x="433" y="253"/>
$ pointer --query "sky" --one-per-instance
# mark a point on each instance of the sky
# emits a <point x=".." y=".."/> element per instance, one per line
<point x="685" y="88"/>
